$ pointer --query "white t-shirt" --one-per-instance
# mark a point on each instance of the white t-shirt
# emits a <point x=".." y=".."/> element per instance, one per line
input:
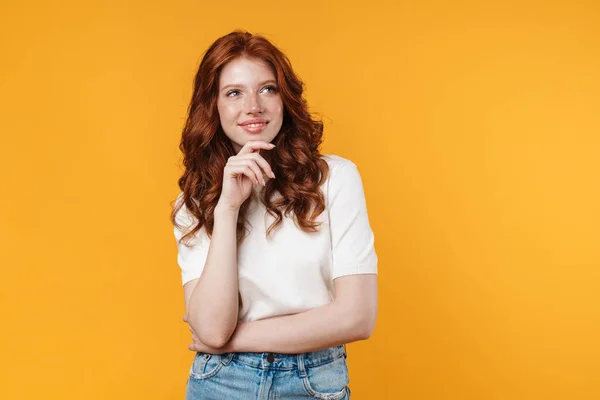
<point x="293" y="270"/>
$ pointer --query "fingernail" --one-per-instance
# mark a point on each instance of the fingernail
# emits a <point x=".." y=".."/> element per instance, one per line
<point x="272" y="145"/>
<point x="272" y="174"/>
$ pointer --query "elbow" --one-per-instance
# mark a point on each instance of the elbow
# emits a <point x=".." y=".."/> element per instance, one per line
<point x="215" y="341"/>
<point x="359" y="320"/>
<point x="364" y="325"/>
<point x="364" y="331"/>
<point x="210" y="334"/>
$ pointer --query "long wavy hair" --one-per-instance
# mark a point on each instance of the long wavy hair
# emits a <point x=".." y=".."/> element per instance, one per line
<point x="299" y="167"/>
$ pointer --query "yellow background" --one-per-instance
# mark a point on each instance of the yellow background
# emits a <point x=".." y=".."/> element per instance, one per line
<point x="474" y="126"/>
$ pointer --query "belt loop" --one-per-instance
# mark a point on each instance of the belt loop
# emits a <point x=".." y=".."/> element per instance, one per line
<point x="345" y="351"/>
<point x="301" y="366"/>
<point x="226" y="359"/>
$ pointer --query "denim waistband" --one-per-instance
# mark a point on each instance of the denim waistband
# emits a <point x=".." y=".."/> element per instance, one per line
<point x="288" y="361"/>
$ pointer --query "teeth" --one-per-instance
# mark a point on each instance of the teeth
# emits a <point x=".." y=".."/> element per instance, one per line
<point x="254" y="125"/>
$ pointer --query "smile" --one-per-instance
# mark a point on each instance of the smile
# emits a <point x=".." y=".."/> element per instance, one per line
<point x="255" y="128"/>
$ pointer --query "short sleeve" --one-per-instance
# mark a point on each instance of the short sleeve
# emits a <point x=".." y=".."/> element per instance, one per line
<point x="352" y="239"/>
<point x="190" y="259"/>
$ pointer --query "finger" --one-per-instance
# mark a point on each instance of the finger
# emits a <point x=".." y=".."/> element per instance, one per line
<point x="242" y="169"/>
<point x="185" y="318"/>
<point x="261" y="162"/>
<point x="255" y="145"/>
<point x="253" y="166"/>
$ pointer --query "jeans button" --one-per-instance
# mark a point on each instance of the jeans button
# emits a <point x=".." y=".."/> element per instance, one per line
<point x="270" y="358"/>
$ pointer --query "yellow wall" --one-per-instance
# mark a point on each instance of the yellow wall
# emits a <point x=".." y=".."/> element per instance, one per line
<point x="475" y="128"/>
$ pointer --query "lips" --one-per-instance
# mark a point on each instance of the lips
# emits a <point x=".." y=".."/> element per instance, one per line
<point x="255" y="121"/>
<point x="254" y="125"/>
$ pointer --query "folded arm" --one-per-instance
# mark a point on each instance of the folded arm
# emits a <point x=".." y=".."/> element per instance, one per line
<point x="348" y="318"/>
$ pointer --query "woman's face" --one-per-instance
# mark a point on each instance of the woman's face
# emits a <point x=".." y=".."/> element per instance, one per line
<point x="249" y="104"/>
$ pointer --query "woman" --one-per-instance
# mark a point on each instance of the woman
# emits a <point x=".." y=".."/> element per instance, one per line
<point x="276" y="252"/>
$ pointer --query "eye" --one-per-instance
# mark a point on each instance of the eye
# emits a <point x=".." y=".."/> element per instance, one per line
<point x="228" y="94"/>
<point x="271" y="88"/>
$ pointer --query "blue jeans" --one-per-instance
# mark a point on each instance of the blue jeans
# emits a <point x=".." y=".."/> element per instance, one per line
<point x="321" y="374"/>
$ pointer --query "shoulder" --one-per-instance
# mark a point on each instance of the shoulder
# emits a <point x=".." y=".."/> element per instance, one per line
<point x="183" y="209"/>
<point x="183" y="215"/>
<point x="185" y="220"/>
<point x="337" y="164"/>
<point x="343" y="180"/>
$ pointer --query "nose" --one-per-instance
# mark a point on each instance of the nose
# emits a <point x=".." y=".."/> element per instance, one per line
<point x="252" y="105"/>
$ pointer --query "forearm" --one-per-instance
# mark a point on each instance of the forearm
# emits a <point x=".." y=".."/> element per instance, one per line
<point x="213" y="305"/>
<point x="322" y="327"/>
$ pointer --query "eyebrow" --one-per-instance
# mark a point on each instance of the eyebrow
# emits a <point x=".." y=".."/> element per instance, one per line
<point x="240" y="85"/>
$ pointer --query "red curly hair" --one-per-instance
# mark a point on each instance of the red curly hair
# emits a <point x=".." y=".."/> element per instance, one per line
<point x="298" y="165"/>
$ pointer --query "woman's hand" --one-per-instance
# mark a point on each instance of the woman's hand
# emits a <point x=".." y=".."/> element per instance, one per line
<point x="242" y="171"/>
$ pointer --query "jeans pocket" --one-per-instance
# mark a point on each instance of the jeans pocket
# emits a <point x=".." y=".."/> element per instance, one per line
<point x="206" y="365"/>
<point x="327" y="381"/>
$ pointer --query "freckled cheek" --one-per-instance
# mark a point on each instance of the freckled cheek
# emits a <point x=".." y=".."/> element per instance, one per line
<point x="278" y="108"/>
<point x="228" y="114"/>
